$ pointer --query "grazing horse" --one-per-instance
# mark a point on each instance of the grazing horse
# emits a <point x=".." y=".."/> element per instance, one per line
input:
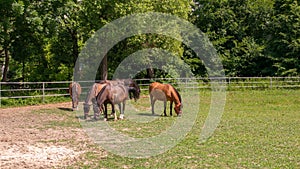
<point x="75" y="91"/>
<point x="133" y="90"/>
<point x="165" y="92"/>
<point x="113" y="94"/>
<point x="91" y="99"/>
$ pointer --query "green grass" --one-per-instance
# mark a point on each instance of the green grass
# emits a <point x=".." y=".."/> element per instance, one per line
<point x="6" y="103"/>
<point x="258" y="129"/>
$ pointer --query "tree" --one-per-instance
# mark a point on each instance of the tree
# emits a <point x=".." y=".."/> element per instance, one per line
<point x="237" y="29"/>
<point x="284" y="44"/>
<point x="8" y="13"/>
<point x="180" y="8"/>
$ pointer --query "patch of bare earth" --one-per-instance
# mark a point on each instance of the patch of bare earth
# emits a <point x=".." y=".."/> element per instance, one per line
<point x="25" y="142"/>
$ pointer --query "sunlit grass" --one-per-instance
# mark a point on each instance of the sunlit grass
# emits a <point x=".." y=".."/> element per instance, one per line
<point x="259" y="129"/>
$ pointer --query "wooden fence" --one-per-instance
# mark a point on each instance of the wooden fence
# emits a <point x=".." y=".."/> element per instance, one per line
<point x="22" y="90"/>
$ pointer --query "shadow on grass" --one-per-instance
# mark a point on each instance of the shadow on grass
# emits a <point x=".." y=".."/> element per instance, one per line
<point x="65" y="109"/>
<point x="149" y="115"/>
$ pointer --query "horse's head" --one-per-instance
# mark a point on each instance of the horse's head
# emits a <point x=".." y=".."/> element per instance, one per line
<point x="134" y="93"/>
<point x="75" y="100"/>
<point x="75" y="91"/>
<point x="86" y="108"/>
<point x="178" y="109"/>
<point x="134" y="89"/>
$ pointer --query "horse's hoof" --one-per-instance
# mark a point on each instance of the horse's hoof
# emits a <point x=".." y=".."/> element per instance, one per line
<point x="105" y="119"/>
<point x="121" y="116"/>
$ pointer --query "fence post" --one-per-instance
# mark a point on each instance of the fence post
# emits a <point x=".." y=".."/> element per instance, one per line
<point x="43" y="92"/>
<point x="271" y="83"/>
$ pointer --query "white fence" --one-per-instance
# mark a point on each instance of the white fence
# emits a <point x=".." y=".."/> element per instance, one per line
<point x="18" y="90"/>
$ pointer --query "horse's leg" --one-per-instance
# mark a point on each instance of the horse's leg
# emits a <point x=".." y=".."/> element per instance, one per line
<point x="165" y="106"/>
<point x="77" y="102"/>
<point x="171" y="105"/>
<point x="77" y="107"/>
<point x="96" y="108"/>
<point x="124" y="103"/>
<point x="122" y="110"/>
<point x="105" y="112"/>
<point x="86" y="109"/>
<point x="152" y="103"/>
<point x="114" y="112"/>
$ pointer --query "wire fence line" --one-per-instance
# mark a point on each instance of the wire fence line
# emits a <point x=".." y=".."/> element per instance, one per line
<point x="23" y="90"/>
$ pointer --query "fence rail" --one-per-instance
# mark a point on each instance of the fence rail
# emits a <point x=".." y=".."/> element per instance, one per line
<point x="19" y="90"/>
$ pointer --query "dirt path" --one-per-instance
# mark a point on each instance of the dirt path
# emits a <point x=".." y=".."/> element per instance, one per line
<point x="25" y="142"/>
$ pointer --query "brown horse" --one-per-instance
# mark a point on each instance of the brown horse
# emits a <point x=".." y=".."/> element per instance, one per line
<point x="75" y="91"/>
<point x="91" y="99"/>
<point x="113" y="94"/>
<point x="133" y="90"/>
<point x="165" y="92"/>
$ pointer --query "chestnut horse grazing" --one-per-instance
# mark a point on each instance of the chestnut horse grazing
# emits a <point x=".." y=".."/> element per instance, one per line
<point x="75" y="91"/>
<point x="113" y="94"/>
<point x="165" y="92"/>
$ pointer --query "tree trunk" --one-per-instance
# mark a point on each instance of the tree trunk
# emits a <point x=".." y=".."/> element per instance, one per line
<point x="103" y="68"/>
<point x="75" y="51"/>
<point x="6" y="64"/>
<point x="150" y="73"/>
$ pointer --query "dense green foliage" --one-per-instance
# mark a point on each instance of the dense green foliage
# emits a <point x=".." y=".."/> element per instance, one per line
<point x="41" y="40"/>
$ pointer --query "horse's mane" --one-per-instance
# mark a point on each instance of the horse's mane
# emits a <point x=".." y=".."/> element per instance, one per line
<point x="177" y="93"/>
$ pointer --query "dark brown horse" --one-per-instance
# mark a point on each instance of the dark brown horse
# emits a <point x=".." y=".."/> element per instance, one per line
<point x="165" y="92"/>
<point x="113" y="94"/>
<point x="75" y="91"/>
<point x="133" y="90"/>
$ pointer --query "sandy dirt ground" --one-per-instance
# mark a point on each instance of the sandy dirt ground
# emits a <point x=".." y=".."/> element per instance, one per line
<point x="25" y="142"/>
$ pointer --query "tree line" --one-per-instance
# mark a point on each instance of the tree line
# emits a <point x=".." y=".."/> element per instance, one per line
<point x="41" y="40"/>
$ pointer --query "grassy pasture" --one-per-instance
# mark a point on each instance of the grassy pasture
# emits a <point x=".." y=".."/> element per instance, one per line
<point x="258" y="129"/>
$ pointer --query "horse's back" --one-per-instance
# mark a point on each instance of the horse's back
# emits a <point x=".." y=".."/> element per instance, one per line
<point x="161" y="91"/>
<point x="119" y="93"/>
